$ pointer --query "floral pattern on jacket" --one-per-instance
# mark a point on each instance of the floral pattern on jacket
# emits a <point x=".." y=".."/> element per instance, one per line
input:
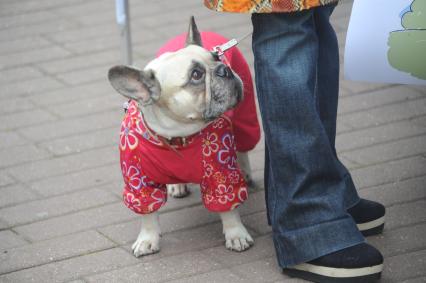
<point x="208" y="158"/>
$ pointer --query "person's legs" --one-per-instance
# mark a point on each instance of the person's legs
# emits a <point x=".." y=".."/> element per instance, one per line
<point x="327" y="91"/>
<point x="307" y="192"/>
<point x="369" y="215"/>
<point x="327" y="71"/>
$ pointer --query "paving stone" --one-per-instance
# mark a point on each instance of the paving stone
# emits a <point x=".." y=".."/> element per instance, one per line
<point x="18" y="74"/>
<point x="82" y="142"/>
<point x="32" y="56"/>
<point x="374" y="99"/>
<point x="76" y="222"/>
<point x="26" y="19"/>
<point x="184" y="218"/>
<point x="36" y="29"/>
<point x="126" y="232"/>
<point x="388" y="151"/>
<point x="377" y="135"/>
<point x="206" y="236"/>
<point x="419" y="88"/>
<point x="25" y="118"/>
<point x="57" y="185"/>
<point x="258" y="222"/>
<point x="342" y="127"/>
<point x="14" y="8"/>
<point x="23" y="44"/>
<point x="389" y="172"/>
<point x="340" y="24"/>
<point x="72" y="126"/>
<point x="361" y="87"/>
<point x="173" y="267"/>
<point x="255" y="203"/>
<point x="3" y="225"/>
<point x="386" y="114"/>
<point x="405" y="214"/>
<point x="14" y="105"/>
<point x="86" y="33"/>
<point x="410" y="265"/>
<point x="5" y="179"/>
<point x="222" y="275"/>
<point x="257" y="159"/>
<point x="10" y="139"/>
<point x="47" y="208"/>
<point x="179" y="242"/>
<point x="80" y="62"/>
<point x="265" y="270"/>
<point x="87" y="75"/>
<point x="262" y="248"/>
<point x="84" y="8"/>
<point x="22" y="154"/>
<point x="71" y="94"/>
<point x="415" y="280"/>
<point x="28" y="87"/>
<point x="400" y="241"/>
<point x="258" y="176"/>
<point x="67" y="164"/>
<point x="9" y="239"/>
<point x="102" y="17"/>
<point x="290" y="280"/>
<point x="97" y="44"/>
<point x="52" y="250"/>
<point x="421" y="121"/>
<point x="89" y="106"/>
<point x="14" y="194"/>
<point x="398" y="192"/>
<point x="177" y="220"/>
<point x="68" y="269"/>
<point x="349" y="164"/>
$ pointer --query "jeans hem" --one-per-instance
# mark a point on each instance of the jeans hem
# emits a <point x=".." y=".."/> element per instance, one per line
<point x="306" y="244"/>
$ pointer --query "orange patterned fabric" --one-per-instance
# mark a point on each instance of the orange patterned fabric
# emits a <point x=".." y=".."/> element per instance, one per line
<point x="264" y="6"/>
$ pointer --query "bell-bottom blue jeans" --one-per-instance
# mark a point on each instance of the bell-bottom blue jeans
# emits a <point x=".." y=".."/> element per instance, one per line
<point x="307" y="188"/>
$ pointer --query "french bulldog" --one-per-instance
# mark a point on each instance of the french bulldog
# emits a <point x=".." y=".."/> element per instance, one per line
<point x="179" y="94"/>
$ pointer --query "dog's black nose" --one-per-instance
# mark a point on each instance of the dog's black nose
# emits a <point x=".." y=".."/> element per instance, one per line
<point x="224" y="71"/>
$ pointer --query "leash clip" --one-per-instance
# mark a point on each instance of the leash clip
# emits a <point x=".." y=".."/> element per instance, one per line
<point x="218" y="51"/>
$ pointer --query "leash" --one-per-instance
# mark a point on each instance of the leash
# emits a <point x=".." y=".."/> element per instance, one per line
<point x="218" y="51"/>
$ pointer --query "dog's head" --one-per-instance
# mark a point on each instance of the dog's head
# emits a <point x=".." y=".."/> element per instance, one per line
<point x="190" y="83"/>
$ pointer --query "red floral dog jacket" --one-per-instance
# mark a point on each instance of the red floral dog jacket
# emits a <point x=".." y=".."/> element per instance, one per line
<point x="208" y="158"/>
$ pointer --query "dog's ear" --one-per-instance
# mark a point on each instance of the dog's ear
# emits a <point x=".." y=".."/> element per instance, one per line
<point x="135" y="84"/>
<point x="193" y="37"/>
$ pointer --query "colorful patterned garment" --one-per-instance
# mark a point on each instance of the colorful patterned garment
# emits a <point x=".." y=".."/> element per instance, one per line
<point x="264" y="6"/>
<point x="208" y="158"/>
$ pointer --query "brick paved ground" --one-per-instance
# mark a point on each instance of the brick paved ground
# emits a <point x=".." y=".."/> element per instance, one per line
<point x="61" y="218"/>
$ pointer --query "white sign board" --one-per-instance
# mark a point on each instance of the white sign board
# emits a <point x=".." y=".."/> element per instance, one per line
<point x="386" y="42"/>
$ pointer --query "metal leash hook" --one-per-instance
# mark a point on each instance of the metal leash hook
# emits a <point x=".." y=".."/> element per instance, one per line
<point x="219" y="50"/>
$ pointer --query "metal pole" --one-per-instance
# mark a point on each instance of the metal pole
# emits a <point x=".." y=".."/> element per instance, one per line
<point x="123" y="21"/>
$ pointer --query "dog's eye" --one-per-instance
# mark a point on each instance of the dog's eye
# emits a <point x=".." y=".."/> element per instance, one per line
<point x="197" y="75"/>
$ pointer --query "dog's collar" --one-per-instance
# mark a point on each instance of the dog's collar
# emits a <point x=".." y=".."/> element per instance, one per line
<point x="157" y="139"/>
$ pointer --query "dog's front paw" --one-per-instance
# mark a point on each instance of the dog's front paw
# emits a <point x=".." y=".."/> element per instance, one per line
<point x="178" y="190"/>
<point x="147" y="243"/>
<point x="238" y="239"/>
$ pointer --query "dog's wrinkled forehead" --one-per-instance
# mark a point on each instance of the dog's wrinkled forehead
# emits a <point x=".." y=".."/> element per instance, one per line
<point x="173" y="66"/>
